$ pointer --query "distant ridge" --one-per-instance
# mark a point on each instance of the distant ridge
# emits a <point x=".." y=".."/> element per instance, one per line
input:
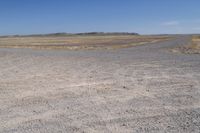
<point x="107" y="33"/>
<point x="74" y="34"/>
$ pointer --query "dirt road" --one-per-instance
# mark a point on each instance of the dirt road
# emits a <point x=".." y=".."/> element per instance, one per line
<point x="140" y="89"/>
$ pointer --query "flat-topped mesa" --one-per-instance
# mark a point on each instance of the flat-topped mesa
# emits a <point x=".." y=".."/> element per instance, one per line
<point x="107" y="33"/>
<point x="74" y="34"/>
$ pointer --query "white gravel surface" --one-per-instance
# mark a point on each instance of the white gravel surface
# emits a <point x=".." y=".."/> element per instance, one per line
<point x="140" y="89"/>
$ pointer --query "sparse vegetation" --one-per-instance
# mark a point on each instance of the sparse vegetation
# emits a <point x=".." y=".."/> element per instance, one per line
<point x="79" y="41"/>
<point x="192" y="48"/>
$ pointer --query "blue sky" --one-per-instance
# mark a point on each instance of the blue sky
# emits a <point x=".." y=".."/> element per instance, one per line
<point x="142" y="16"/>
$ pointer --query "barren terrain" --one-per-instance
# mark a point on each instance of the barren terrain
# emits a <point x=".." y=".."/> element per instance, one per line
<point x="193" y="47"/>
<point x="145" y="88"/>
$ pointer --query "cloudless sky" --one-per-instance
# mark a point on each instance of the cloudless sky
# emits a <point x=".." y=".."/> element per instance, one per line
<point x="72" y="16"/>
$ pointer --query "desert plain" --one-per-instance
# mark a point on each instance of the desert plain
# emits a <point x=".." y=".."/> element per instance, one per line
<point x="100" y="84"/>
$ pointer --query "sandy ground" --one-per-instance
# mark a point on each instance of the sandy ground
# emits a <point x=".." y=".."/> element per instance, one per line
<point x="140" y="89"/>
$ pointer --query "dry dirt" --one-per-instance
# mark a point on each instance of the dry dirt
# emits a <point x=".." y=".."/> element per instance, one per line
<point x="193" y="46"/>
<point x="140" y="89"/>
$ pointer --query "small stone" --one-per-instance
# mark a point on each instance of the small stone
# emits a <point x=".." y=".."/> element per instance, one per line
<point x="123" y="124"/>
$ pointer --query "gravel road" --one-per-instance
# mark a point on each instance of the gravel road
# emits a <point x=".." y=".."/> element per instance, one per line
<point x="140" y="89"/>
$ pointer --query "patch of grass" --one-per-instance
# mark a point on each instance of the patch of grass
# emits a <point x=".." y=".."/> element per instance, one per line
<point x="78" y="42"/>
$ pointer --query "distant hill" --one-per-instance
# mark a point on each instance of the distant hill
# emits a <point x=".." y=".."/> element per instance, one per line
<point x="107" y="33"/>
<point x="75" y="34"/>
